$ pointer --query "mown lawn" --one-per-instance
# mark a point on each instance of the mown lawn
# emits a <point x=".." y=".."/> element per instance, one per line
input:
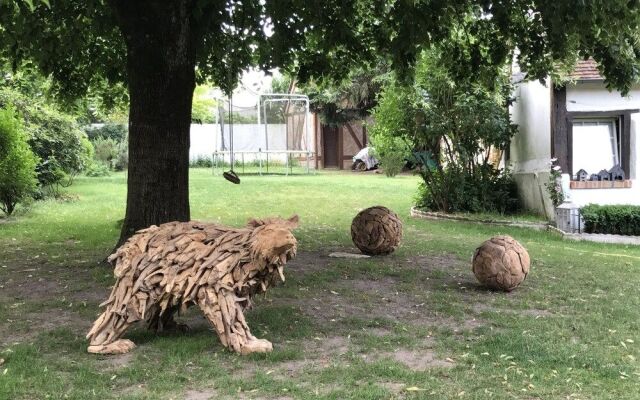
<point x="412" y="325"/>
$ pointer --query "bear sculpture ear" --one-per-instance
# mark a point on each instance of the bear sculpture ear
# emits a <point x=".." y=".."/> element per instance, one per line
<point x="293" y="221"/>
<point x="290" y="223"/>
<point x="254" y="223"/>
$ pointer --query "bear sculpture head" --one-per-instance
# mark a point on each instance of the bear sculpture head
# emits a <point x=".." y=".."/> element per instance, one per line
<point x="272" y="240"/>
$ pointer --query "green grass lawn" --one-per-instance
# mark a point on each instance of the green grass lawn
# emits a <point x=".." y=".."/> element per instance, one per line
<point x="411" y="325"/>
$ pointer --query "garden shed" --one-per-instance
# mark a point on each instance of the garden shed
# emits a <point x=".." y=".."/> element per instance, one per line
<point x="337" y="144"/>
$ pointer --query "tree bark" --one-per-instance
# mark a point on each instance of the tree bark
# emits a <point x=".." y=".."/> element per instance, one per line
<point x="160" y="43"/>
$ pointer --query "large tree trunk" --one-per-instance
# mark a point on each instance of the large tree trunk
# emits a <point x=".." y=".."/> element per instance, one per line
<point x="161" y="76"/>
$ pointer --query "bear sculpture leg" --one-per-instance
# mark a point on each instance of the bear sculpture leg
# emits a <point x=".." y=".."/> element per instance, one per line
<point x="110" y="326"/>
<point x="159" y="321"/>
<point x="107" y="340"/>
<point x="224" y="311"/>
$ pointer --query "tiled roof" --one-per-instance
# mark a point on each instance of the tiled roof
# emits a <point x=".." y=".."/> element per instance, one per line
<point x="586" y="70"/>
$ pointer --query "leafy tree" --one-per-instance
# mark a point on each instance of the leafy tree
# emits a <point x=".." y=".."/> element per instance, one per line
<point x="204" y="106"/>
<point x="275" y="111"/>
<point x="160" y="49"/>
<point x="17" y="162"/>
<point x="457" y="126"/>
<point x="24" y="79"/>
<point x="281" y="84"/>
<point x="102" y="103"/>
<point x="348" y="99"/>
<point x="466" y="129"/>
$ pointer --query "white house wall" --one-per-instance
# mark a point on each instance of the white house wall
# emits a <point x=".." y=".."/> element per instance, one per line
<point x="593" y="96"/>
<point x="530" y="150"/>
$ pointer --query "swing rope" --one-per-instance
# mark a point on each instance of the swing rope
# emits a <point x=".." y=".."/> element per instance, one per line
<point x="230" y="175"/>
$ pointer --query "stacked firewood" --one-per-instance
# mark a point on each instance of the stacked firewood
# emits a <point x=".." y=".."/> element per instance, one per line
<point x="166" y="268"/>
<point x="501" y="263"/>
<point x="376" y="230"/>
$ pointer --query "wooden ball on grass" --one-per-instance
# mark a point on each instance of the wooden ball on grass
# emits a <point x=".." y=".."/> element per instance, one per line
<point x="501" y="263"/>
<point x="376" y="231"/>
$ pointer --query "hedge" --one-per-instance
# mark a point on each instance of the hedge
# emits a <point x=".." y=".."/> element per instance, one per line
<point x="611" y="219"/>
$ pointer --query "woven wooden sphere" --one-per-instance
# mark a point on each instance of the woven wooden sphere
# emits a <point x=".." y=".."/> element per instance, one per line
<point x="501" y="263"/>
<point x="376" y="231"/>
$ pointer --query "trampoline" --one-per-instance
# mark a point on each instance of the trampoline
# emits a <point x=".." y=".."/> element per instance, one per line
<point x="270" y="137"/>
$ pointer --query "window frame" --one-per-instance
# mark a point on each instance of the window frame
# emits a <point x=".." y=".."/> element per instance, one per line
<point x="623" y="118"/>
<point x="562" y="131"/>
<point x="616" y="144"/>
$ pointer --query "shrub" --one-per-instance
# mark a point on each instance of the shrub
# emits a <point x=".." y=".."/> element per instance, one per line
<point x="466" y="129"/>
<point x="391" y="152"/>
<point x="97" y="169"/>
<point x="455" y="190"/>
<point x="201" y="162"/>
<point x="61" y="147"/>
<point x="466" y="176"/>
<point x="106" y="150"/>
<point x="17" y="163"/>
<point x="58" y="137"/>
<point x="611" y="219"/>
<point x="111" y="152"/>
<point x="121" y="162"/>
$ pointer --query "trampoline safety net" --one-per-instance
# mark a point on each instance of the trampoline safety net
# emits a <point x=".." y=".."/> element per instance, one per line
<point x="272" y="136"/>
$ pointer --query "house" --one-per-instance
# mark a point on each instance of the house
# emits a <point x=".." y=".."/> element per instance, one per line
<point x="337" y="144"/>
<point x="589" y="129"/>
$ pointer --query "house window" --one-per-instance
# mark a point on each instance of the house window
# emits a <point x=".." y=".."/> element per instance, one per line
<point x="596" y="144"/>
<point x="587" y="142"/>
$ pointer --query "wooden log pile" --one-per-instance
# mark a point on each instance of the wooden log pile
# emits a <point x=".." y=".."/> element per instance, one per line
<point x="376" y="231"/>
<point x="167" y="268"/>
<point x="501" y="263"/>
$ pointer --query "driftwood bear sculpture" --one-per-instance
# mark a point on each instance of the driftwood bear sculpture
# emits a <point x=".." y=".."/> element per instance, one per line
<point x="169" y="267"/>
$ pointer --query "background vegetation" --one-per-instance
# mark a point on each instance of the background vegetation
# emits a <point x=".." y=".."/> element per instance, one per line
<point x="17" y="162"/>
<point x="455" y="127"/>
<point x="53" y="129"/>
<point x="338" y="326"/>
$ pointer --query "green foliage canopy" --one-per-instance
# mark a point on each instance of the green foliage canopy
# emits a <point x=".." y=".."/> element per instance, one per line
<point x="348" y="99"/>
<point x="79" y="44"/>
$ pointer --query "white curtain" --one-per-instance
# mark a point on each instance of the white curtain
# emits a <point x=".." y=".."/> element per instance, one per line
<point x="595" y="145"/>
